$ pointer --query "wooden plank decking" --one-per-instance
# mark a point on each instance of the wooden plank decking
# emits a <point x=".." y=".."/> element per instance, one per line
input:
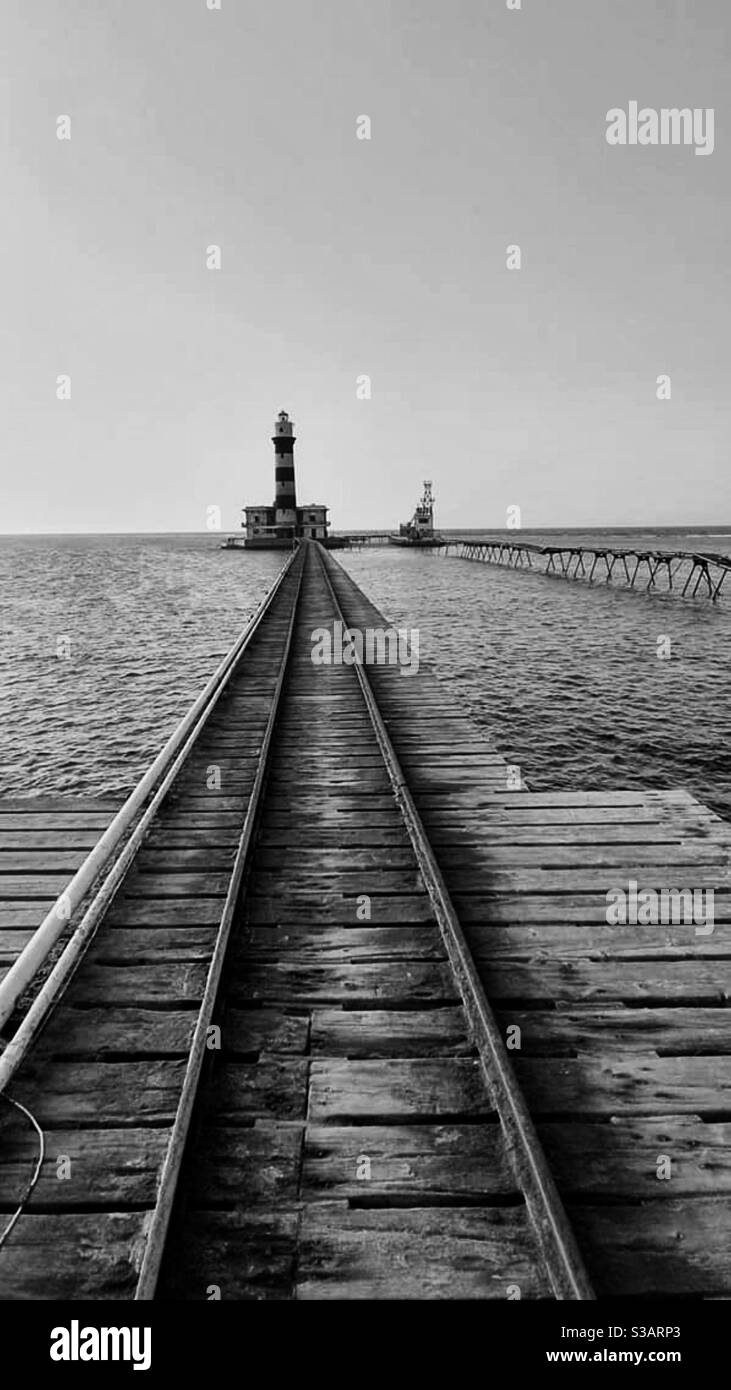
<point x="625" y="1052"/>
<point x="43" y="840"/>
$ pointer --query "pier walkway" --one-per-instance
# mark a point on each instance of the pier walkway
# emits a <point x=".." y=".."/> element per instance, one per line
<point x="684" y="573"/>
<point x="345" y="1017"/>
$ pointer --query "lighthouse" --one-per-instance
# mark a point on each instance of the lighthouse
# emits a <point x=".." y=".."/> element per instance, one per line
<point x="280" y="526"/>
<point x="285" y="498"/>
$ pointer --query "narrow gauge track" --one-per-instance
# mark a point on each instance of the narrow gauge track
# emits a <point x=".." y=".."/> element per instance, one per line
<point x="226" y="1083"/>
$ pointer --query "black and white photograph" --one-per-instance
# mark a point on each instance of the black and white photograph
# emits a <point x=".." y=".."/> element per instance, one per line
<point x="365" y="659"/>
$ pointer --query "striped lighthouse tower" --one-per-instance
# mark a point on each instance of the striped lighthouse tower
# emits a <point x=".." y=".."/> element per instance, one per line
<point x="285" y="498"/>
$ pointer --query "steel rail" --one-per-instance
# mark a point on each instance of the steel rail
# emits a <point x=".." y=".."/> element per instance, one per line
<point x="156" y="1234"/>
<point x="564" y="1264"/>
<point x="160" y="774"/>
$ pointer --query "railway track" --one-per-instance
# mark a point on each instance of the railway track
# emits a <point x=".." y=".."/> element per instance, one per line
<point x="269" y="1068"/>
<point x="265" y="1063"/>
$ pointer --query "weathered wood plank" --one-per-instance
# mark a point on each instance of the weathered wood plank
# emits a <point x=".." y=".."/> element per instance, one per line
<point x="268" y="883"/>
<point x="336" y="860"/>
<point x="394" y="983"/>
<point x="11" y="944"/>
<point x="658" y="1249"/>
<point x="185" y="859"/>
<point x="353" y="944"/>
<point x="45" y="887"/>
<point x="137" y="885"/>
<point x="139" y="985"/>
<point x="424" y="1163"/>
<point x="390" y="1033"/>
<point x="194" y="837"/>
<point x="242" y="1254"/>
<point x="575" y="941"/>
<point x="633" y="982"/>
<point x="248" y="1167"/>
<point x="285" y="833"/>
<point x="416" y="1254"/>
<point x="342" y="1090"/>
<point x="336" y="910"/>
<point x="112" y="1169"/>
<point x="172" y="819"/>
<point x="622" y="1158"/>
<point x="625" y="861"/>
<point x="94" y="1256"/>
<point x="272" y="1089"/>
<point x="101" y="1095"/>
<point x="521" y="810"/>
<point x="53" y="823"/>
<point x="39" y="861"/>
<point x="157" y="912"/>
<point x="246" y="1032"/>
<point x="329" y="807"/>
<point x="214" y="803"/>
<point x="53" y="840"/>
<point x="20" y="915"/>
<point x="560" y="880"/>
<point x="176" y="885"/>
<point x="577" y="799"/>
<point x="361" y="837"/>
<point x="139" y="945"/>
<point x="621" y="1030"/>
<point x="55" y="805"/>
<point x="635" y="1085"/>
<point x="106" y="1031"/>
<point x="513" y="908"/>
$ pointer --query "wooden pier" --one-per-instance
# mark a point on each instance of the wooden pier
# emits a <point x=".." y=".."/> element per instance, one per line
<point x="684" y="573"/>
<point x="352" y="1022"/>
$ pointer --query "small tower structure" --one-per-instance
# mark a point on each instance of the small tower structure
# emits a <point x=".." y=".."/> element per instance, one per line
<point x="279" y="526"/>
<point x="285" y="494"/>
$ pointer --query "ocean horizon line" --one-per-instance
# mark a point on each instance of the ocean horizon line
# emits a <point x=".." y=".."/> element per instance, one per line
<point x="699" y="528"/>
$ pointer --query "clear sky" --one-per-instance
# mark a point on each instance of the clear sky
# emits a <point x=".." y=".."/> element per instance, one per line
<point x="340" y="257"/>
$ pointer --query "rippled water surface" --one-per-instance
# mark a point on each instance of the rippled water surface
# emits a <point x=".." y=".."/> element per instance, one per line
<point x="144" y="620"/>
<point x="565" y="677"/>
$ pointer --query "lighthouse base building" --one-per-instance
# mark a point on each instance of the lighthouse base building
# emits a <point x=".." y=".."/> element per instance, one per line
<point x="278" y="526"/>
